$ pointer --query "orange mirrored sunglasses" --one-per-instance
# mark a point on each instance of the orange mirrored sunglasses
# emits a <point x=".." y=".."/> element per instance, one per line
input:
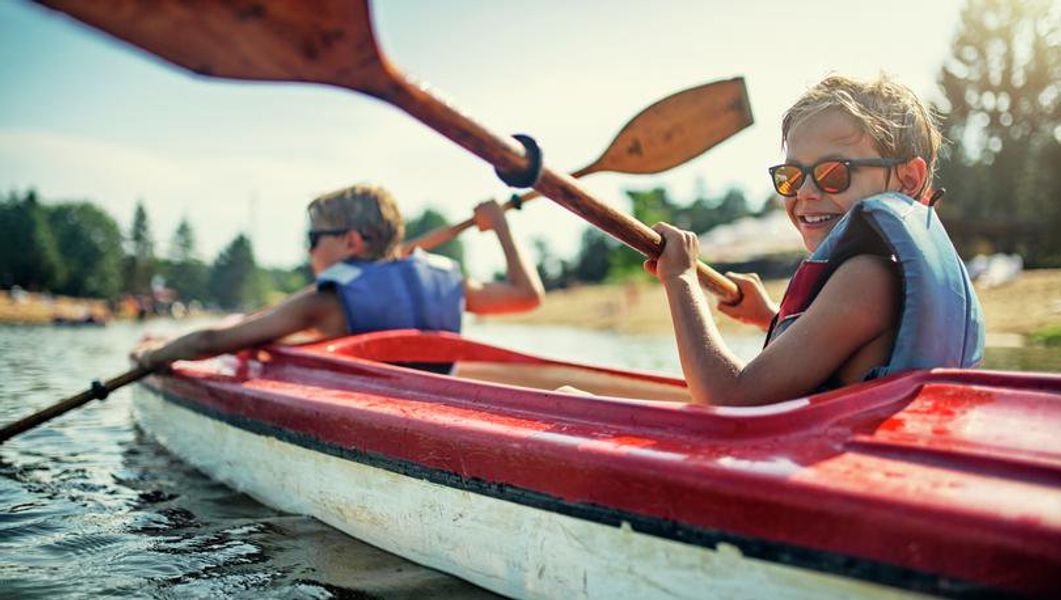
<point x="832" y="175"/>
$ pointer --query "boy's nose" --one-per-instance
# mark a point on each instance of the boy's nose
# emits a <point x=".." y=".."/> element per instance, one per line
<point x="808" y="190"/>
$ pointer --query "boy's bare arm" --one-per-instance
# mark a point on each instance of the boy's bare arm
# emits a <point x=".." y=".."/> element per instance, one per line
<point x="304" y="310"/>
<point x="522" y="289"/>
<point x="857" y="306"/>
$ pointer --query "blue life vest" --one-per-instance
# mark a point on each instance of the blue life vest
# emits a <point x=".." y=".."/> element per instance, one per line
<point x="941" y="323"/>
<point x="423" y="291"/>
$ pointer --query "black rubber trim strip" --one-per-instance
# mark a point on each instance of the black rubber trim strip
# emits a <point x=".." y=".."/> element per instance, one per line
<point x="758" y="548"/>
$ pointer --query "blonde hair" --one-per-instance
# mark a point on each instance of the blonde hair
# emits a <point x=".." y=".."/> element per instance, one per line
<point x="369" y="210"/>
<point x="897" y="121"/>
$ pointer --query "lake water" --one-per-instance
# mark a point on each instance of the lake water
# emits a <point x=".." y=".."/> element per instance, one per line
<point x="89" y="506"/>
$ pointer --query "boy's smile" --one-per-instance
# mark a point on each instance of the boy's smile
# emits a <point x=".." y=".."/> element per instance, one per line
<point x="830" y="134"/>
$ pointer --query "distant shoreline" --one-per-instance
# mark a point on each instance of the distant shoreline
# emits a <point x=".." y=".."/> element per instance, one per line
<point x="1014" y="311"/>
<point x="30" y="308"/>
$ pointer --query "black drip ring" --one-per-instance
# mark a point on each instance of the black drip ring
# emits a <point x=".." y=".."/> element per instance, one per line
<point x="99" y="391"/>
<point x="529" y="176"/>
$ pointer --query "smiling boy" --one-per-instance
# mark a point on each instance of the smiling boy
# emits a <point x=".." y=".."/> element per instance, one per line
<point x="883" y="291"/>
<point x="362" y="284"/>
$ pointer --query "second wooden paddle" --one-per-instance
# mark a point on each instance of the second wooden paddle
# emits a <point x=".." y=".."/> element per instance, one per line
<point x="668" y="133"/>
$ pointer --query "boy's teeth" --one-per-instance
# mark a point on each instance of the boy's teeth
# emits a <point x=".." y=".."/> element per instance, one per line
<point x="817" y="218"/>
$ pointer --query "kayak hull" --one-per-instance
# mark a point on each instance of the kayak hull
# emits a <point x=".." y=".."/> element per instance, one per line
<point x="509" y="548"/>
<point x="534" y="493"/>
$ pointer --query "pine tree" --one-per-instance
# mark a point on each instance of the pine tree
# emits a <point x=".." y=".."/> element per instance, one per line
<point x="185" y="272"/>
<point x="29" y="255"/>
<point x="90" y="243"/>
<point x="432" y="219"/>
<point x="182" y="246"/>
<point x="140" y="261"/>
<point x="235" y="280"/>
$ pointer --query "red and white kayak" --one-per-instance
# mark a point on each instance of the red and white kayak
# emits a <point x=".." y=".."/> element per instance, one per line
<point x="942" y="482"/>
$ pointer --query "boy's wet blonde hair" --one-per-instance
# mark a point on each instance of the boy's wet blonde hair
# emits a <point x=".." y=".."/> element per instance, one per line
<point x="369" y="210"/>
<point x="900" y="125"/>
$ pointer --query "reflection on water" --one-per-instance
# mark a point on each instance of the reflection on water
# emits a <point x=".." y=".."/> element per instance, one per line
<point x="90" y="507"/>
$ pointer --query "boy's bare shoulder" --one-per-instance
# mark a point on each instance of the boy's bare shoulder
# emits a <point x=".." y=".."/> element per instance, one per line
<point x="865" y="281"/>
<point x="868" y="269"/>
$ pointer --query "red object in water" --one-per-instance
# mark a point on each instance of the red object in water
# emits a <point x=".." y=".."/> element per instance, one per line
<point x="943" y="481"/>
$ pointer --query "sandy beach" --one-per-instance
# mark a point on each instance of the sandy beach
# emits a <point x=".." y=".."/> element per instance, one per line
<point x="29" y="308"/>
<point x="1013" y="310"/>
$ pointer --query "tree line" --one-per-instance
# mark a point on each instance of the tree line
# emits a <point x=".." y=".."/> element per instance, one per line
<point x="601" y="258"/>
<point x="77" y="249"/>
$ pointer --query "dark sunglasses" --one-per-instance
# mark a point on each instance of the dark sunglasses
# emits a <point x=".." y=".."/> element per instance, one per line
<point x="832" y="175"/>
<point x="315" y="235"/>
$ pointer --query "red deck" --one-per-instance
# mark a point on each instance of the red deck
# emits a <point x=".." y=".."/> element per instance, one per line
<point x="945" y="481"/>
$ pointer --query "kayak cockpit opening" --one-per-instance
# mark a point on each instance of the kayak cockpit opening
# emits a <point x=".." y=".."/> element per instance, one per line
<point x="451" y="354"/>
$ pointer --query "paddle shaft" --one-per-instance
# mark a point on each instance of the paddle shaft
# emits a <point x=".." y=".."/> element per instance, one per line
<point x="437" y="237"/>
<point x="71" y="403"/>
<point x="506" y="155"/>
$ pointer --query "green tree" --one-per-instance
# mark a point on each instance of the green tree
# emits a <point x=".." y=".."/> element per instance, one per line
<point x="651" y="206"/>
<point x="185" y="272"/>
<point x="602" y="258"/>
<point x="704" y="214"/>
<point x="140" y="260"/>
<point x="182" y="246"/>
<point x="288" y="281"/>
<point x="1002" y="85"/>
<point x="90" y="243"/>
<point x="29" y="255"/>
<point x="593" y="263"/>
<point x="553" y="271"/>
<point x="432" y="219"/>
<point x="235" y="280"/>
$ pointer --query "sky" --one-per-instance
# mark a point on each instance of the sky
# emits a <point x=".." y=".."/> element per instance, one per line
<point x="83" y="117"/>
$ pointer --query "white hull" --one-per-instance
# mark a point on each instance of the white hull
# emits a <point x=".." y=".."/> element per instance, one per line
<point x="503" y="546"/>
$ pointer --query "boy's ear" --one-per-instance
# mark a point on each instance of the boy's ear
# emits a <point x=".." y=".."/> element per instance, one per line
<point x="912" y="176"/>
<point x="354" y="242"/>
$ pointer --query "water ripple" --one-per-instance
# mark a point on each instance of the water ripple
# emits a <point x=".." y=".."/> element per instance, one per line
<point x="89" y="507"/>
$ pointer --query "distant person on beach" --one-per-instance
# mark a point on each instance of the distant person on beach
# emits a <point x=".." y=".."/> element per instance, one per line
<point x="363" y="285"/>
<point x="883" y="290"/>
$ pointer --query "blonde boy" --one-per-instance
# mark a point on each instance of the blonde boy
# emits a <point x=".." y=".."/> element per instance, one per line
<point x="883" y="291"/>
<point x="363" y="285"/>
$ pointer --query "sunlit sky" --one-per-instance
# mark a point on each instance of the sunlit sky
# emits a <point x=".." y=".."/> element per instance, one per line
<point x="85" y="117"/>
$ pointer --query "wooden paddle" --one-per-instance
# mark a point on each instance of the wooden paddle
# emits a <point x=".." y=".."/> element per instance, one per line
<point x="670" y="132"/>
<point x="332" y="42"/>
<point x="97" y="391"/>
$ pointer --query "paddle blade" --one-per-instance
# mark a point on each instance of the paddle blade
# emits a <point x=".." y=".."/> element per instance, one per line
<point x="679" y="128"/>
<point x="323" y="41"/>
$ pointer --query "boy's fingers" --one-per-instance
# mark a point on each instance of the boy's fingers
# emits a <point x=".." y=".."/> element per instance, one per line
<point x="743" y="279"/>
<point x="665" y="229"/>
